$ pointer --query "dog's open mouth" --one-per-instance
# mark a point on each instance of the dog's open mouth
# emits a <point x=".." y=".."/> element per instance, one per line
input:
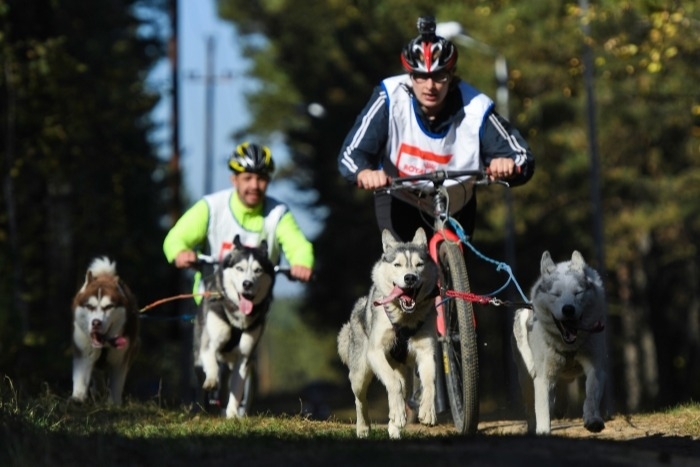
<point x="406" y="298"/>
<point x="568" y="330"/>
<point x="245" y="303"/>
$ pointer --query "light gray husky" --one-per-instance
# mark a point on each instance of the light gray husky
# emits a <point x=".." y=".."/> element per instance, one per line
<point x="561" y="338"/>
<point x="391" y="331"/>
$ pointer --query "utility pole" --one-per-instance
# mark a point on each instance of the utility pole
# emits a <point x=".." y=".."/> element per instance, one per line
<point x="210" y="79"/>
<point x="596" y="200"/>
<point x="175" y="175"/>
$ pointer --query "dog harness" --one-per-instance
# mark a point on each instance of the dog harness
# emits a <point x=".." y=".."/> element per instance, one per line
<point x="399" y="351"/>
<point x="223" y="304"/>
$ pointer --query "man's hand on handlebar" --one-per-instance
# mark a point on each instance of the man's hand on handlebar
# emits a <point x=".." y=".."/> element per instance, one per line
<point x="372" y="179"/>
<point x="301" y="273"/>
<point x="185" y="259"/>
<point x="502" y="168"/>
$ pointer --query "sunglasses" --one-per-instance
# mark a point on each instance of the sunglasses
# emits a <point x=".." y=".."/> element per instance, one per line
<point x="439" y="77"/>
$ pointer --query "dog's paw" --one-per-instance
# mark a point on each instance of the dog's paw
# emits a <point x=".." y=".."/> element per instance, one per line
<point x="233" y="413"/>
<point x="78" y="398"/>
<point x="596" y="425"/>
<point x="394" y="431"/>
<point x="362" y="431"/>
<point x="398" y="418"/>
<point x="210" y="384"/>
<point x="427" y="415"/>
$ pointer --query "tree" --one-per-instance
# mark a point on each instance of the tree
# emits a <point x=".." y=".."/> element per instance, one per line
<point x="645" y="55"/>
<point x="79" y="168"/>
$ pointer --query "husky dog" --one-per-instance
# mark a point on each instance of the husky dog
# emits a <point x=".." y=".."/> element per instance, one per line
<point x="392" y="330"/>
<point x="561" y="338"/>
<point x="105" y="324"/>
<point x="231" y="320"/>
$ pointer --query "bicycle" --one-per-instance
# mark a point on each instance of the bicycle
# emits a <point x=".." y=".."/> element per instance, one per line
<point x="456" y="323"/>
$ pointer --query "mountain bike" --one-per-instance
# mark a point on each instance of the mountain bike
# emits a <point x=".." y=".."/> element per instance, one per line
<point x="456" y="323"/>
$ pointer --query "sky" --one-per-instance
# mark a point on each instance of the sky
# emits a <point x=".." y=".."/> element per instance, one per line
<point x="198" y="23"/>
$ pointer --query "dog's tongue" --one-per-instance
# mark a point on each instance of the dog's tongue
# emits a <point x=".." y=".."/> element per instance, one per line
<point x="396" y="292"/>
<point x="245" y="305"/>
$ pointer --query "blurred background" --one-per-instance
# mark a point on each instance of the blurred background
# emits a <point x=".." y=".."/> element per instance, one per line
<point x="116" y="116"/>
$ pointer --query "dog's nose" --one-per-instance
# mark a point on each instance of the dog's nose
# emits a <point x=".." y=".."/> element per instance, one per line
<point x="96" y="323"/>
<point x="410" y="280"/>
<point x="247" y="285"/>
<point x="569" y="311"/>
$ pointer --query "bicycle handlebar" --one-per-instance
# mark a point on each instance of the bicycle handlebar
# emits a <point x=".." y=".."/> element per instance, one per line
<point x="438" y="178"/>
<point x="203" y="259"/>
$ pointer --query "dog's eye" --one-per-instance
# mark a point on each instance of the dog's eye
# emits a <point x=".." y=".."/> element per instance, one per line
<point x="89" y="307"/>
<point x="108" y="307"/>
<point x="257" y="271"/>
<point x="419" y="264"/>
<point x="239" y="268"/>
<point x="397" y="265"/>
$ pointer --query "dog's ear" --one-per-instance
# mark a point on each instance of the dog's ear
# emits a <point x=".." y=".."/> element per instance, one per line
<point x="263" y="248"/>
<point x="419" y="238"/>
<point x="89" y="277"/>
<point x="577" y="261"/>
<point x="388" y="239"/>
<point x="547" y="266"/>
<point x="237" y="242"/>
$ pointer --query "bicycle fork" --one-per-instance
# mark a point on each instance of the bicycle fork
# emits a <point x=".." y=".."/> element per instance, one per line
<point x="441" y="362"/>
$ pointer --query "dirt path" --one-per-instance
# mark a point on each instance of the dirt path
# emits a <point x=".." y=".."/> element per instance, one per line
<point x="644" y="440"/>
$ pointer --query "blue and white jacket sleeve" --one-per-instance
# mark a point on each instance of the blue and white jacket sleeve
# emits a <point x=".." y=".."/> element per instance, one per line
<point x="365" y="144"/>
<point x="501" y="139"/>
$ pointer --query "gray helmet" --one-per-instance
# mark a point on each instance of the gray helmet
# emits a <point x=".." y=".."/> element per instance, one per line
<point x="251" y="157"/>
<point x="428" y="53"/>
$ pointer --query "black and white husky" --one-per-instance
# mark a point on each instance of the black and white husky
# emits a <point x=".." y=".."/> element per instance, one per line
<point x="231" y="320"/>
<point x="392" y="330"/>
<point x="561" y="338"/>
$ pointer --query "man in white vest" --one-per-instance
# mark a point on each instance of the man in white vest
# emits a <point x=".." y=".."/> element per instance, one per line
<point x="211" y="224"/>
<point x="425" y="120"/>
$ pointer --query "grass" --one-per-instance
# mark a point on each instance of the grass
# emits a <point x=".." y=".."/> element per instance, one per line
<point x="48" y="430"/>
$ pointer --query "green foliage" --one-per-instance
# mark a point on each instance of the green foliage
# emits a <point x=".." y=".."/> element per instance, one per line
<point x="78" y="169"/>
<point x="646" y="123"/>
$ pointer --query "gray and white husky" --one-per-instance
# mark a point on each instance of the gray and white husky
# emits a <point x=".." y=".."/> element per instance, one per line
<point x="105" y="329"/>
<point x="561" y="338"/>
<point x="392" y="330"/>
<point x="231" y="319"/>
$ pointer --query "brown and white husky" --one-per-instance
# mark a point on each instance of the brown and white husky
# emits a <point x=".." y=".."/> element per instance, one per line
<point x="105" y="329"/>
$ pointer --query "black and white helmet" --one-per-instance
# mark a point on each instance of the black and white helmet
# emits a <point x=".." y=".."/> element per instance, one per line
<point x="428" y="53"/>
<point x="251" y="157"/>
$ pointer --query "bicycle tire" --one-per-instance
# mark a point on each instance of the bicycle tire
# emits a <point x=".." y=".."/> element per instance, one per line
<point x="459" y="345"/>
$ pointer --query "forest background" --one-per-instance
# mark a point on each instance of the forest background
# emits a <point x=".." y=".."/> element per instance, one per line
<point x="81" y="176"/>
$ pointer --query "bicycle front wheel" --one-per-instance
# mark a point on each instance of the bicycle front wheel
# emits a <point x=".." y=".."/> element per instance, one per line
<point x="459" y="346"/>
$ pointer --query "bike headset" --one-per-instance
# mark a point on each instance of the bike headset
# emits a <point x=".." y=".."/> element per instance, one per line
<point x="428" y="53"/>
<point x="253" y="158"/>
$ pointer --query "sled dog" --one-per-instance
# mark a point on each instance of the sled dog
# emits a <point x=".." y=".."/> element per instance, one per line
<point x="561" y="338"/>
<point x="105" y="329"/>
<point x="392" y="330"/>
<point x="231" y="320"/>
